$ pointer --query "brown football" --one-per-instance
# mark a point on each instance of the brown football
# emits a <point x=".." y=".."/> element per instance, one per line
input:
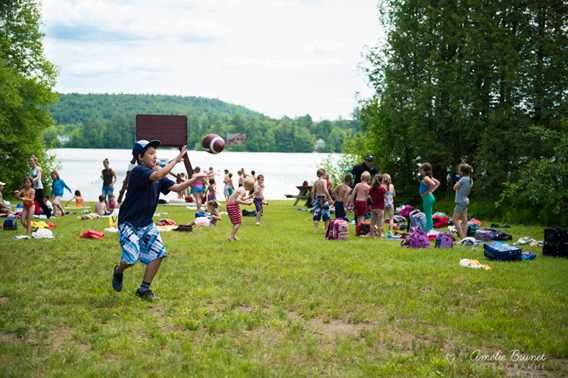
<point x="213" y="143"/>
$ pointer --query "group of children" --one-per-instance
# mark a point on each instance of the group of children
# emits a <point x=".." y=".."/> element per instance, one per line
<point x="374" y="197"/>
<point x="250" y="191"/>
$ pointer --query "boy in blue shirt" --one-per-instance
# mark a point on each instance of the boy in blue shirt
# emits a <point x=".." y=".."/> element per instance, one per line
<point x="139" y="237"/>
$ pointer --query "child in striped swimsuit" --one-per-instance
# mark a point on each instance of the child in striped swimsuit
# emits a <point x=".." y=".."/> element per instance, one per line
<point x="239" y="196"/>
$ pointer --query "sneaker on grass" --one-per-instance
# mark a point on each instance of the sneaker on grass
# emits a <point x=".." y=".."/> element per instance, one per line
<point x="147" y="295"/>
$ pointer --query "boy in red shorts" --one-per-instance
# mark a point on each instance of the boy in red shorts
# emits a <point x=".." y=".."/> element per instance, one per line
<point x="360" y="197"/>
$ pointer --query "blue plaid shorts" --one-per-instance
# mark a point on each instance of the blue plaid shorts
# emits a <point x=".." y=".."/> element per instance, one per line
<point x="321" y="209"/>
<point x="140" y="243"/>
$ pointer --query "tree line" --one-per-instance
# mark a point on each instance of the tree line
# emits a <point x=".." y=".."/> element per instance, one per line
<point x="108" y="121"/>
<point x="485" y="82"/>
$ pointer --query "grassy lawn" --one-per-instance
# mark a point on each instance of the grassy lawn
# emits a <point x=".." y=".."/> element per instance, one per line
<point x="279" y="302"/>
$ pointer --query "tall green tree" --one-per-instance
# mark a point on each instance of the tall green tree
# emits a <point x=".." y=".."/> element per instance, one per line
<point x="467" y="80"/>
<point x="26" y="82"/>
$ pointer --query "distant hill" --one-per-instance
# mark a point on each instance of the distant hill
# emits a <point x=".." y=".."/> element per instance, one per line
<point x="107" y="121"/>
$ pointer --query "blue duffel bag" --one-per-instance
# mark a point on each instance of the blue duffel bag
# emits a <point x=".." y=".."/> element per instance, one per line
<point x="502" y="251"/>
<point x="10" y="223"/>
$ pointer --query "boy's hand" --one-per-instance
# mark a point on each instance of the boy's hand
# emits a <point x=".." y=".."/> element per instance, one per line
<point x="183" y="151"/>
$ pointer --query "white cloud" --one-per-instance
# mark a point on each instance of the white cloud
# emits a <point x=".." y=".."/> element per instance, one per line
<point x="279" y="57"/>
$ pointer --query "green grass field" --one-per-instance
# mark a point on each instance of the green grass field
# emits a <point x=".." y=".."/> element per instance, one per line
<point x="280" y="302"/>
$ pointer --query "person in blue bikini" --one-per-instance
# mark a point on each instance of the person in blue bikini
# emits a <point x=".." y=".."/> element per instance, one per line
<point x="428" y="185"/>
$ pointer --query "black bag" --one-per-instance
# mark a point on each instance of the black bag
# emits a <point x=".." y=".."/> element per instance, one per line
<point x="500" y="235"/>
<point x="10" y="223"/>
<point x="555" y="242"/>
<point x="362" y="228"/>
<point x="184" y="227"/>
<point x="249" y="213"/>
<point x="555" y="234"/>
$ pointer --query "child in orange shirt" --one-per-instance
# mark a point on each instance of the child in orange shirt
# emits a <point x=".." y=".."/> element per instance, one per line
<point x="79" y="202"/>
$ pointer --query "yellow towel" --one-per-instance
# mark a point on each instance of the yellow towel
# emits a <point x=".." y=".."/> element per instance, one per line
<point x="39" y="224"/>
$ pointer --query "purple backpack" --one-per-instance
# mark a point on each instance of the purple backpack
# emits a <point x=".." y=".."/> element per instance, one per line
<point x="485" y="235"/>
<point x="416" y="239"/>
<point x="444" y="240"/>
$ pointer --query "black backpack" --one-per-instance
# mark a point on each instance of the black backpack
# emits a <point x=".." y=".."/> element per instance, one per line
<point x="500" y="235"/>
<point x="555" y="242"/>
<point x="184" y="227"/>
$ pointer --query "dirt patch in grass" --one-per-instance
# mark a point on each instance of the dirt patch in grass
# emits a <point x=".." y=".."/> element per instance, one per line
<point x="30" y="337"/>
<point x="216" y="306"/>
<point x="337" y="327"/>
<point x="245" y="308"/>
<point x="62" y="338"/>
<point x="55" y="341"/>
<point x="332" y="328"/>
<point x="164" y="323"/>
<point x="526" y="371"/>
<point x="10" y="338"/>
<point x="393" y="338"/>
<point x="3" y="300"/>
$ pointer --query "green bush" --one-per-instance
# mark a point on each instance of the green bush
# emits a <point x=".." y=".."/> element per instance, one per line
<point x="543" y="191"/>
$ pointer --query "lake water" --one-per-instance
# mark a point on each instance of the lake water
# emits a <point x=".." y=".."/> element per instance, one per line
<point x="81" y="168"/>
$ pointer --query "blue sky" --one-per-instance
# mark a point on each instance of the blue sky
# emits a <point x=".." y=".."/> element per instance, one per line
<point x="279" y="57"/>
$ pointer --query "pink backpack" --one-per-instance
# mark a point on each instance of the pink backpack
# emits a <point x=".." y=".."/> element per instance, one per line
<point x="338" y="229"/>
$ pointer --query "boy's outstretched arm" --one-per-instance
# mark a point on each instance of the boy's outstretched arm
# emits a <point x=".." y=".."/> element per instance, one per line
<point x="163" y="172"/>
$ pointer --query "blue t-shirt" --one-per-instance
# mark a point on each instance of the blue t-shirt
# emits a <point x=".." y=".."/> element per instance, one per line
<point x="58" y="186"/>
<point x="142" y="197"/>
